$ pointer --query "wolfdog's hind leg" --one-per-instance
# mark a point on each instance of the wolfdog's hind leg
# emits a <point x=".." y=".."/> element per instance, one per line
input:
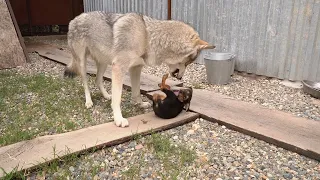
<point x="83" y="73"/>
<point x="135" y="74"/>
<point x="99" y="80"/>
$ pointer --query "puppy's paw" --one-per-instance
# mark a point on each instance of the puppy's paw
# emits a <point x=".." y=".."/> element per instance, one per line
<point x="89" y="104"/>
<point x="145" y="105"/>
<point x="121" y="122"/>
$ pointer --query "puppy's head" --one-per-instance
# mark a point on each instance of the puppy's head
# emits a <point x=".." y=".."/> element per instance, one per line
<point x="185" y="96"/>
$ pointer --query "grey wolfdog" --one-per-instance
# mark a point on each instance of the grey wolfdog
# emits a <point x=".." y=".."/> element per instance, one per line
<point x="128" y="42"/>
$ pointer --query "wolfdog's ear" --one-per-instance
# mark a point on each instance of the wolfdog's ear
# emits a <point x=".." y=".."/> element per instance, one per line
<point x="201" y="44"/>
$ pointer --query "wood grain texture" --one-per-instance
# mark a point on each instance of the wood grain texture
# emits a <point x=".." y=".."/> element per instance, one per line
<point x="28" y="154"/>
<point x="148" y="82"/>
<point x="16" y="26"/>
<point x="11" y="51"/>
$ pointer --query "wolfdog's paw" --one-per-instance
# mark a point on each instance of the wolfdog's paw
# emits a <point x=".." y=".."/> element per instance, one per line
<point x="121" y="122"/>
<point x="89" y="104"/>
<point x="145" y="105"/>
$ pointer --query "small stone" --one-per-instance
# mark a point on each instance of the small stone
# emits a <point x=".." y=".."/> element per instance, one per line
<point x="71" y="169"/>
<point x="218" y="179"/>
<point x="236" y="163"/>
<point x="237" y="178"/>
<point x="230" y="159"/>
<point x="249" y="166"/>
<point x="238" y="148"/>
<point x="96" y="177"/>
<point x="132" y="144"/>
<point x="224" y="127"/>
<point x="206" y="166"/>
<point x="264" y="177"/>
<point x="191" y="131"/>
<point x="102" y="164"/>
<point x="288" y="176"/>
<point x="114" y="150"/>
<point x="281" y="107"/>
<point x="113" y="163"/>
<point x="195" y="126"/>
<point x="175" y="137"/>
<point x="139" y="146"/>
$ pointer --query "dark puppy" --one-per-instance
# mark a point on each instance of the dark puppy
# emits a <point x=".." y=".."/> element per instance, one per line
<point x="172" y="104"/>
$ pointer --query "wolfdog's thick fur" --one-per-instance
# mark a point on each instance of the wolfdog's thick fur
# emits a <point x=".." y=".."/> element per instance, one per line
<point x="127" y="42"/>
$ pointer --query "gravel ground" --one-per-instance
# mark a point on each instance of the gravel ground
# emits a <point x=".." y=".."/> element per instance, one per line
<point x="220" y="154"/>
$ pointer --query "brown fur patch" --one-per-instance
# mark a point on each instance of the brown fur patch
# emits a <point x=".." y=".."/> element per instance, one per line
<point x="156" y="97"/>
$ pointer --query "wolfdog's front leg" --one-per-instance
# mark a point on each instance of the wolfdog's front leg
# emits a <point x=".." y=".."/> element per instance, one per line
<point x="117" y="82"/>
<point x="135" y="74"/>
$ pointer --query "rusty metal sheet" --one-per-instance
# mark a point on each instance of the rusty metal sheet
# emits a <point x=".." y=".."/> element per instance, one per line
<point x="20" y="11"/>
<point x="57" y="12"/>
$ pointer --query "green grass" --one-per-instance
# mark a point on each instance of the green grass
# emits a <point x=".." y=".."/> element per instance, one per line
<point x="37" y="105"/>
<point x="174" y="158"/>
<point x="14" y="174"/>
<point x="32" y="105"/>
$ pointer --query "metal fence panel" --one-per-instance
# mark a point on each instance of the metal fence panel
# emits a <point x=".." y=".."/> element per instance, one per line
<point x="276" y="38"/>
<point x="154" y="8"/>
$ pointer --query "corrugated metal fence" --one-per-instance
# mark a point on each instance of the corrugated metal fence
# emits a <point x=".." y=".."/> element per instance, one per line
<point x="154" y="8"/>
<point x="276" y="38"/>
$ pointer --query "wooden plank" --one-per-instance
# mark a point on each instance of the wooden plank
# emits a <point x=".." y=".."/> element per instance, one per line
<point x="148" y="82"/>
<point x="28" y="154"/>
<point x="11" y="51"/>
<point x="293" y="133"/>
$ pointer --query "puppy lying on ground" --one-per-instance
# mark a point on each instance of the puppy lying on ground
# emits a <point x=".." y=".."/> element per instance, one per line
<point x="170" y="106"/>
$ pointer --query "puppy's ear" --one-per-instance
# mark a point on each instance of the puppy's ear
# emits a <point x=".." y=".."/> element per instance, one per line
<point x="201" y="44"/>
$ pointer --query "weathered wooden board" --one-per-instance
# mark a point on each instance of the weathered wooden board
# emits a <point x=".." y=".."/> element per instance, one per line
<point x="276" y="127"/>
<point x="11" y="49"/>
<point x="148" y="82"/>
<point x="30" y="153"/>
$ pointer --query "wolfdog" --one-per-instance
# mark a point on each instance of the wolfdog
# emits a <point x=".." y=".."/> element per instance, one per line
<point x="128" y="42"/>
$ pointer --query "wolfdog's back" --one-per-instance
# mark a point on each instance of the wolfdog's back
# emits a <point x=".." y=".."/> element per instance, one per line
<point x="99" y="35"/>
<point x="91" y="30"/>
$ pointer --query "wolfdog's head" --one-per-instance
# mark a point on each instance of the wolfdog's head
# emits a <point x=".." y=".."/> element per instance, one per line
<point x="182" y="47"/>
